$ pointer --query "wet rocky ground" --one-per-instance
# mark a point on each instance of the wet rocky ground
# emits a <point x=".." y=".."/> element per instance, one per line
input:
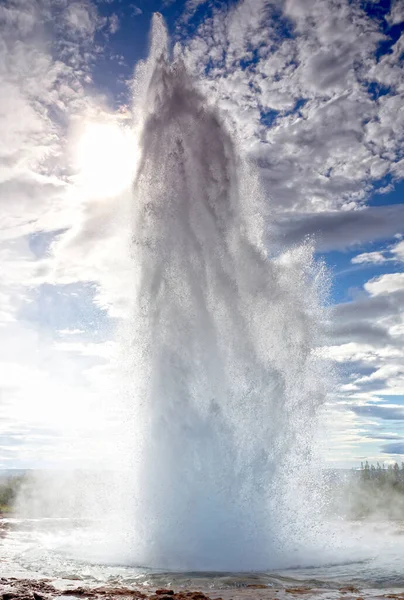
<point x="29" y="583"/>
<point x="44" y="589"/>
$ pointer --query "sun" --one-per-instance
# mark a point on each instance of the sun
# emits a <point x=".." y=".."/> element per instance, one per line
<point x="105" y="158"/>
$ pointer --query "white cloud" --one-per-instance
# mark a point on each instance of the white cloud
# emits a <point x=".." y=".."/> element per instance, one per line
<point x="191" y="6"/>
<point x="82" y="18"/>
<point x="136" y="11"/>
<point x="367" y="341"/>
<point x="326" y="154"/>
<point x="394" y="253"/>
<point x="385" y="284"/>
<point x="114" y="23"/>
<point x="396" y="14"/>
<point x="398" y="251"/>
<point x="339" y="229"/>
<point x="376" y="258"/>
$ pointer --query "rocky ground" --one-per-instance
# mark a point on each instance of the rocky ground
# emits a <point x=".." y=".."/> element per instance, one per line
<point x="25" y="589"/>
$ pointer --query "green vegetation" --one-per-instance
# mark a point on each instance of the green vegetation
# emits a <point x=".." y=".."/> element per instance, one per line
<point x="380" y="476"/>
<point x="373" y="492"/>
<point x="9" y="488"/>
<point x="380" y="492"/>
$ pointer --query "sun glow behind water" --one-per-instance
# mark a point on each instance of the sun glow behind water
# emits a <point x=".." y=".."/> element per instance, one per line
<point x="105" y="158"/>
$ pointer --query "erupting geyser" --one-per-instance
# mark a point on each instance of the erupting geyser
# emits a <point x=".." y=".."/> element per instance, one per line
<point x="225" y="378"/>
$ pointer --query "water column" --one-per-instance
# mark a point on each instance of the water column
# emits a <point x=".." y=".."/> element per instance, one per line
<point x="226" y="382"/>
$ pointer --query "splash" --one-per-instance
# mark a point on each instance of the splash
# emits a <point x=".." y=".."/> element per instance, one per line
<point x="225" y="379"/>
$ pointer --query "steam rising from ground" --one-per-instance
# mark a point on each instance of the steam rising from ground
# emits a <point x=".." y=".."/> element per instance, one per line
<point x="224" y="380"/>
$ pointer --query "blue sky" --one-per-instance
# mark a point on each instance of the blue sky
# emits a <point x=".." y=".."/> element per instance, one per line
<point x="313" y="90"/>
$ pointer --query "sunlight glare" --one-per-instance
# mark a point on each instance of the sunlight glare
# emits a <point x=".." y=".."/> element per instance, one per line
<point x="106" y="158"/>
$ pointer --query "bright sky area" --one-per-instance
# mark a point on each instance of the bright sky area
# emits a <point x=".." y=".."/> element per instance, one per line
<point x="314" y="90"/>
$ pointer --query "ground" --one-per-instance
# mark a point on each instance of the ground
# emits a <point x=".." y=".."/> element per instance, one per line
<point x="25" y="589"/>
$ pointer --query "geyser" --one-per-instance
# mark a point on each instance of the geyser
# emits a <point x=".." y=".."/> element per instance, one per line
<point x="222" y="349"/>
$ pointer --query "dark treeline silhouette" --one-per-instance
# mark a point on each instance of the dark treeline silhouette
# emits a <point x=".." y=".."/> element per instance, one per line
<point x="380" y="475"/>
<point x="372" y="491"/>
<point x="9" y="488"/>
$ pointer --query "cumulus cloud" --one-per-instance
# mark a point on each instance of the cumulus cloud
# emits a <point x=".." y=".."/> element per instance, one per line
<point x="191" y="6"/>
<point x="394" y="253"/>
<point x="376" y="258"/>
<point x="82" y="18"/>
<point x="385" y="284"/>
<point x="367" y="337"/>
<point x="396" y="15"/>
<point x="369" y="330"/>
<point x="370" y="308"/>
<point x="338" y="230"/>
<point x="398" y="251"/>
<point x="304" y="110"/>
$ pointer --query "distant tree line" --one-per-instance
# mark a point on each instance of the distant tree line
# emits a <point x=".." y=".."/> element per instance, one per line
<point x="373" y="491"/>
<point x="9" y="488"/>
<point x="380" y="475"/>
